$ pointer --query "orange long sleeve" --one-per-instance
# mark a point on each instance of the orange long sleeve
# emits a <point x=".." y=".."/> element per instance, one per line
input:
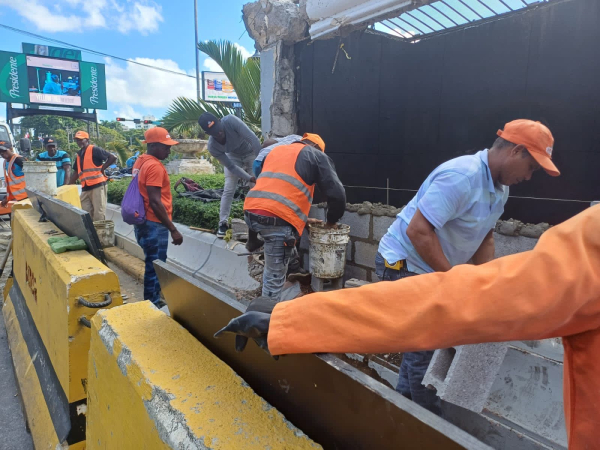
<point x="551" y="291"/>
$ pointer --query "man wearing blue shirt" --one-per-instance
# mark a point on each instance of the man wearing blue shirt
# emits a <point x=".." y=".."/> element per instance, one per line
<point x="451" y="221"/>
<point x="60" y="157"/>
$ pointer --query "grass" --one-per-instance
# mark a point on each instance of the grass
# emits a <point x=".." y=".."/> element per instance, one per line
<point x="186" y="211"/>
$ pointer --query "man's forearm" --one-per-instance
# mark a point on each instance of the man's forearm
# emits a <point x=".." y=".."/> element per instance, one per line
<point x="429" y="248"/>
<point x="67" y="170"/>
<point x="485" y="252"/>
<point x="109" y="162"/>
<point x="74" y="177"/>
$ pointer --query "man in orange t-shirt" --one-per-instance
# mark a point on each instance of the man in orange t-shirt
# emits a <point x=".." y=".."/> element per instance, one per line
<point x="155" y="187"/>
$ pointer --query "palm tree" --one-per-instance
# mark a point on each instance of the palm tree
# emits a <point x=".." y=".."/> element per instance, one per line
<point x="244" y="75"/>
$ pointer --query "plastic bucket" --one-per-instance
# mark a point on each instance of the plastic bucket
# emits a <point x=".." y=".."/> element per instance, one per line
<point x="106" y="232"/>
<point x="327" y="250"/>
<point x="41" y="176"/>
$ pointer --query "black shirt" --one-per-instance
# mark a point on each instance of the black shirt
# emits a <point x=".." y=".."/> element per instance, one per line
<point x="99" y="157"/>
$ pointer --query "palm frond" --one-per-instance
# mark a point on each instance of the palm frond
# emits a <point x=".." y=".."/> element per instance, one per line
<point x="182" y="115"/>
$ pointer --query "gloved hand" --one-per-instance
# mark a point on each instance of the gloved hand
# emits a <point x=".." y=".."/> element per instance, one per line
<point x="254" y="323"/>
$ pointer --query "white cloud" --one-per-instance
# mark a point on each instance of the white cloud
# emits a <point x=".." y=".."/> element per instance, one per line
<point x="143" y="16"/>
<point x="211" y="65"/>
<point x="144" y="87"/>
<point x="127" y="112"/>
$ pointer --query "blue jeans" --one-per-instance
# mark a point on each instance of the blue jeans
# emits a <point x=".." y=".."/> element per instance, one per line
<point x="153" y="237"/>
<point x="414" y="364"/>
<point x="277" y="255"/>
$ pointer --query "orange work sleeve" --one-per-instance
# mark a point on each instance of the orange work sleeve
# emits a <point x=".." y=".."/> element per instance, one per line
<point x="551" y="291"/>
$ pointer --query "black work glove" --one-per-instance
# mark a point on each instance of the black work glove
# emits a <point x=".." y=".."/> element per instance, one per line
<point x="254" y="323"/>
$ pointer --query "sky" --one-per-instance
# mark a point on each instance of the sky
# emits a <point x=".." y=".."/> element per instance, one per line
<point x="158" y="33"/>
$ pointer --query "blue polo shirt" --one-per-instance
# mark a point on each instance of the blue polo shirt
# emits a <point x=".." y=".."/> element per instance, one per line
<point x="61" y="157"/>
<point x="460" y="200"/>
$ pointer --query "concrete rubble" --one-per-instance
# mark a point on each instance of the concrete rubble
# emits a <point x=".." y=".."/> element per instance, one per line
<point x="512" y="227"/>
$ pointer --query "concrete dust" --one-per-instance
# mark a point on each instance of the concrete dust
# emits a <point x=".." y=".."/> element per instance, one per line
<point x="130" y="287"/>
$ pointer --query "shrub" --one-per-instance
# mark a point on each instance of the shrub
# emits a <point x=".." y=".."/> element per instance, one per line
<point x="186" y="211"/>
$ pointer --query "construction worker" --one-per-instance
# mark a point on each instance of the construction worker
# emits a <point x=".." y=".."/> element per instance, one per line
<point x="90" y="165"/>
<point x="60" y="157"/>
<point x="155" y="188"/>
<point x="550" y="291"/>
<point x="277" y="207"/>
<point x="13" y="174"/>
<point x="451" y="221"/>
<point x="236" y="147"/>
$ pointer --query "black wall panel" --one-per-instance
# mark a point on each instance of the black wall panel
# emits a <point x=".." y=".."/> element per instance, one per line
<point x="397" y="110"/>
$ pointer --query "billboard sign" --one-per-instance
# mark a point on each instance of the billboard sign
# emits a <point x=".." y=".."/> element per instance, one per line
<point x="93" y="85"/>
<point x="52" y="52"/>
<point x="53" y="81"/>
<point x="216" y="87"/>
<point x="13" y="78"/>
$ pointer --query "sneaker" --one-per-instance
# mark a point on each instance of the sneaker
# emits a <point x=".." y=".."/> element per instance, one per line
<point x="299" y="274"/>
<point x="222" y="230"/>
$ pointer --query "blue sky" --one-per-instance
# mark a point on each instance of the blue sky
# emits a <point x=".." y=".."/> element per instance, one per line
<point x="159" y="33"/>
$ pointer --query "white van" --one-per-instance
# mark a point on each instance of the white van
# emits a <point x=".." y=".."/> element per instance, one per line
<point x="5" y="135"/>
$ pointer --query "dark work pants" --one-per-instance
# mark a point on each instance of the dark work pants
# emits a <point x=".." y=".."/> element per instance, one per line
<point x="153" y="237"/>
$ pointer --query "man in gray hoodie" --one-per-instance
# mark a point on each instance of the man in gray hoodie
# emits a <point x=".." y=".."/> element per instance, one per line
<point x="236" y="147"/>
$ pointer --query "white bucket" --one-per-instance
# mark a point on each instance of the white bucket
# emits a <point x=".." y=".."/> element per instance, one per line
<point x="106" y="232"/>
<point x="41" y="176"/>
<point x="327" y="250"/>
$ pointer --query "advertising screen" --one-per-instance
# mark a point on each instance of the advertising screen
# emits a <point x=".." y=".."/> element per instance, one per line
<point x="53" y="81"/>
<point x="218" y="88"/>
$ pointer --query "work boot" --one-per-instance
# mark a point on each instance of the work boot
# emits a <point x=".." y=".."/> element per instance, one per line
<point x="254" y="242"/>
<point x="223" y="227"/>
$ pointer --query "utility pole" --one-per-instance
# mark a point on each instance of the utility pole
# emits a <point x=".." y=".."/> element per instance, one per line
<point x="196" y="50"/>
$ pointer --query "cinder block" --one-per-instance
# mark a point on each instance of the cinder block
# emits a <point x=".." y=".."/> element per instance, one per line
<point x="464" y="375"/>
<point x="317" y="213"/>
<point x="381" y="225"/>
<point x="349" y="251"/>
<point x="355" y="282"/>
<point x="324" y="285"/>
<point x="364" y="254"/>
<point x="360" y="225"/>
<point x="305" y="261"/>
<point x="304" y="242"/>
<point x="353" y="272"/>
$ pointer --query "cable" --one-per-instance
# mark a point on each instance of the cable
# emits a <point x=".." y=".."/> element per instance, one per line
<point x="94" y="52"/>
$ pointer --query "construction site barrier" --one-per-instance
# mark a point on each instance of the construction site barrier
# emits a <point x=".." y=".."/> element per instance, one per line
<point x="152" y="385"/>
<point x="50" y="298"/>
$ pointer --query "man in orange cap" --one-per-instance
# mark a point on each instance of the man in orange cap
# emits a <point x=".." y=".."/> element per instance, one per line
<point x="451" y="220"/>
<point x="90" y="164"/>
<point x="13" y="174"/>
<point x="277" y="207"/>
<point x="155" y="188"/>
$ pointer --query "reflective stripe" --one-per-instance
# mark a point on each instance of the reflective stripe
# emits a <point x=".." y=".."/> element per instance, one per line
<point x="20" y="191"/>
<point x="278" y="198"/>
<point x="90" y="170"/>
<point x="92" y="177"/>
<point x="12" y="183"/>
<point x="289" y="179"/>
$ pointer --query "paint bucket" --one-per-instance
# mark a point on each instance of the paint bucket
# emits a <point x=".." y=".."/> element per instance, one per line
<point x="106" y="232"/>
<point x="41" y="176"/>
<point x="327" y="250"/>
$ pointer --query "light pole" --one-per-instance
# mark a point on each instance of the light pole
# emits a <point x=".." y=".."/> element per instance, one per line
<point x="196" y="50"/>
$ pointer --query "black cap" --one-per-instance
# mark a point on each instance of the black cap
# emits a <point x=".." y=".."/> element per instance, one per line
<point x="49" y="141"/>
<point x="5" y="145"/>
<point x="210" y="124"/>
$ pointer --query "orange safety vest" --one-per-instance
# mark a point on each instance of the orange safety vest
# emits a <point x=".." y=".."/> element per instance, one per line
<point x="89" y="174"/>
<point x="15" y="186"/>
<point x="280" y="190"/>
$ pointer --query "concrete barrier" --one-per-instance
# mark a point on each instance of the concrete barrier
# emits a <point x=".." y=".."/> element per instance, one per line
<point x="46" y="332"/>
<point x="152" y="385"/>
<point x="202" y="255"/>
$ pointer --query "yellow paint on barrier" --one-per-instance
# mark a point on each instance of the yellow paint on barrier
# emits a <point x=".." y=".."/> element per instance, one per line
<point x="152" y="385"/>
<point x="69" y="194"/>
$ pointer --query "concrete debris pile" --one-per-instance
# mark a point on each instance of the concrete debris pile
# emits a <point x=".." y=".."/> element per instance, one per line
<point x="512" y="227"/>
<point x="376" y="209"/>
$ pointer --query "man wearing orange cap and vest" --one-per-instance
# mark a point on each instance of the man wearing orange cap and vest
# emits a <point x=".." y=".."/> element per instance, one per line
<point x="13" y="174"/>
<point x="90" y="165"/>
<point x="277" y="207"/>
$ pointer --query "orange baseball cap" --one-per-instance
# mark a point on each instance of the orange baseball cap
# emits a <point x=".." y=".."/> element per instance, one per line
<point x="316" y="139"/>
<point x="82" y="135"/>
<point x="536" y="137"/>
<point x="160" y="135"/>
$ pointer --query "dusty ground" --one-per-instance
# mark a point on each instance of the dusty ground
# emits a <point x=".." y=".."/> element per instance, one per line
<point x="130" y="287"/>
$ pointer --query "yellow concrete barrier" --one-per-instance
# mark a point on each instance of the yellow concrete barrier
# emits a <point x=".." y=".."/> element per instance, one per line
<point x="46" y="333"/>
<point x="152" y="385"/>
<point x="69" y="194"/>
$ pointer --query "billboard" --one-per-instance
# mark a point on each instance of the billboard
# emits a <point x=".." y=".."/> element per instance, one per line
<point x="216" y="87"/>
<point x="52" y="52"/>
<point x="33" y="79"/>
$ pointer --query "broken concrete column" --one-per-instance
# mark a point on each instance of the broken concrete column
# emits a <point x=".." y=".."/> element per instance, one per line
<point x="271" y="21"/>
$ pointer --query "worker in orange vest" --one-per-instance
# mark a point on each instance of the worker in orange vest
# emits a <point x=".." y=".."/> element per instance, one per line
<point x="13" y="174"/>
<point x="90" y="165"/>
<point x="550" y="291"/>
<point x="277" y="207"/>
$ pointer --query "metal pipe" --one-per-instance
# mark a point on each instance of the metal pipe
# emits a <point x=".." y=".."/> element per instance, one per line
<point x="436" y="21"/>
<point x="408" y="23"/>
<point x="6" y="254"/>
<point x="493" y="12"/>
<point x="505" y="4"/>
<point x="445" y="15"/>
<point x="196" y="51"/>
<point x="395" y="31"/>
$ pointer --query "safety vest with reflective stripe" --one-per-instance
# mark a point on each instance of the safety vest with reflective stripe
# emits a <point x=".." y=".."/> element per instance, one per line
<point x="89" y="174"/>
<point x="280" y="190"/>
<point x="15" y="186"/>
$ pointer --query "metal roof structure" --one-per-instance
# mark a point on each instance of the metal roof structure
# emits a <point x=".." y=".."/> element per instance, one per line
<point x="446" y="15"/>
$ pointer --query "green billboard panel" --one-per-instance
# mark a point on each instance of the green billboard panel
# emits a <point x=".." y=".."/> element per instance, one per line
<point x="52" y="52"/>
<point x="93" y="85"/>
<point x="13" y="78"/>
